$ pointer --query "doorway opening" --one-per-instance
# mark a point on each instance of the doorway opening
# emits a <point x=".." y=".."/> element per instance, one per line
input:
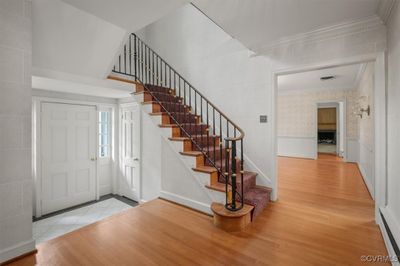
<point x="332" y="119"/>
<point x="331" y="135"/>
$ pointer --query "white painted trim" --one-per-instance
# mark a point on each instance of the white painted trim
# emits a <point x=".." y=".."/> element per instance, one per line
<point x="385" y="8"/>
<point x="303" y="154"/>
<point x="392" y="223"/>
<point x="335" y="104"/>
<point x="331" y="32"/>
<point x="142" y="201"/>
<point x="185" y="201"/>
<point x="36" y="143"/>
<point x="17" y="250"/>
<point x="380" y="133"/>
<point x="121" y="106"/>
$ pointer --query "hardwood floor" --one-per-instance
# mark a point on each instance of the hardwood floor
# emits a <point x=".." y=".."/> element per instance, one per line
<point x="324" y="216"/>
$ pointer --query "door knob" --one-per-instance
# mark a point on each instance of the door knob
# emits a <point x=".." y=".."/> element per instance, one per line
<point x="136" y="159"/>
<point x="93" y="159"/>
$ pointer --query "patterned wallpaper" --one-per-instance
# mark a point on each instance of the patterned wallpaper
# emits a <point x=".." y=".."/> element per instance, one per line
<point x="365" y="90"/>
<point x="297" y="112"/>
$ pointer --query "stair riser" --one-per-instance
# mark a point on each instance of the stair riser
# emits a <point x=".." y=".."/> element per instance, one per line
<point x="160" y="89"/>
<point x="207" y="142"/>
<point x="215" y="156"/>
<point x="194" y="129"/>
<point x="164" y="98"/>
<point x="183" y="119"/>
<point x="176" y="108"/>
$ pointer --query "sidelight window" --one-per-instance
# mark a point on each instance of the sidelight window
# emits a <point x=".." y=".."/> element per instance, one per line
<point x="104" y="134"/>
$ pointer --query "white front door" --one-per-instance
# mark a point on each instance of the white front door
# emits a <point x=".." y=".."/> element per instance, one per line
<point x="130" y="152"/>
<point x="68" y="152"/>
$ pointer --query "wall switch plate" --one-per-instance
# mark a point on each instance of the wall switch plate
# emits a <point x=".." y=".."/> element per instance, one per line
<point x="263" y="119"/>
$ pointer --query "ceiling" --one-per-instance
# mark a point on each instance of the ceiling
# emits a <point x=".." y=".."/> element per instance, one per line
<point x="346" y="77"/>
<point x="130" y="15"/>
<point x="262" y="23"/>
<point x="83" y="37"/>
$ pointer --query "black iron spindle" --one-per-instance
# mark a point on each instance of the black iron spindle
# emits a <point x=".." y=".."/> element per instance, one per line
<point x="125" y="59"/>
<point x="233" y="175"/>
<point x="130" y="54"/>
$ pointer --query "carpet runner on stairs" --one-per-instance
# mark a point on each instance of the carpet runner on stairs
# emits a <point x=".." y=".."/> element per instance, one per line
<point x="202" y="139"/>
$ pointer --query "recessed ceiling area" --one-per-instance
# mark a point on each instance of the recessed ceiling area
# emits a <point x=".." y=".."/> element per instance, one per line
<point x="260" y="23"/>
<point x="344" y="77"/>
<point x="130" y="15"/>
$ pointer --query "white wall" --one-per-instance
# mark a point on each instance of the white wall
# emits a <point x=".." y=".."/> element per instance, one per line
<point x="393" y="141"/>
<point x="15" y="129"/>
<point x="178" y="181"/>
<point x="241" y="85"/>
<point x="366" y="163"/>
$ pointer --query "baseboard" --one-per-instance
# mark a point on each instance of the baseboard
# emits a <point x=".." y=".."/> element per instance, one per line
<point x="142" y="201"/>
<point x="17" y="250"/>
<point x="202" y="207"/>
<point x="296" y="157"/>
<point x="394" y="231"/>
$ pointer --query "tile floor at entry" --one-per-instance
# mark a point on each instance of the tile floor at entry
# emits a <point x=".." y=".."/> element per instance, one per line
<point x="63" y="223"/>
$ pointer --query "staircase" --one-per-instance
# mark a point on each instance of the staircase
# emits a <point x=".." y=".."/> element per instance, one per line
<point x="205" y="132"/>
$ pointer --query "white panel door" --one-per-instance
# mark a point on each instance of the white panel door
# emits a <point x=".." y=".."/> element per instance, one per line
<point x="68" y="155"/>
<point x="130" y="159"/>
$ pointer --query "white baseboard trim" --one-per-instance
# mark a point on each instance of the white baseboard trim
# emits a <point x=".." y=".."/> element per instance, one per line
<point x="17" y="250"/>
<point x="200" y="206"/>
<point x="395" y="232"/>
<point x="141" y="201"/>
<point x="366" y="181"/>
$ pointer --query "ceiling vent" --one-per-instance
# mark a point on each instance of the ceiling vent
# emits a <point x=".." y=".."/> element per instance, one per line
<point x="324" y="78"/>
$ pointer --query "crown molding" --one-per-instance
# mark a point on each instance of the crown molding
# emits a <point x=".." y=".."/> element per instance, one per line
<point x="325" y="33"/>
<point x="385" y="8"/>
<point x="360" y="73"/>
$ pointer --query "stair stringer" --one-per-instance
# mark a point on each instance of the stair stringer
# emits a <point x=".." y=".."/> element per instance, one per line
<point x="202" y="179"/>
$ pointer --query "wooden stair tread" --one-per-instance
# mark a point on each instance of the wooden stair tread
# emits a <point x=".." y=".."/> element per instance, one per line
<point x="205" y="169"/>
<point x="168" y="125"/>
<point x="220" y="209"/>
<point x="123" y="80"/>
<point x="149" y="102"/>
<point x="191" y="153"/>
<point x="179" y="138"/>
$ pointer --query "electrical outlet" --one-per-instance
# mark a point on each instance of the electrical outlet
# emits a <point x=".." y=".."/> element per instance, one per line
<point x="263" y="119"/>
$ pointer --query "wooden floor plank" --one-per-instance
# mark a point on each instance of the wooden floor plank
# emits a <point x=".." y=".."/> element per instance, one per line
<point x="324" y="216"/>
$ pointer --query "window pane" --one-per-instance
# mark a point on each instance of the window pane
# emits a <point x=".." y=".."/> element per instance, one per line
<point x="103" y="139"/>
<point x="103" y="128"/>
<point x="103" y="151"/>
<point x="104" y="117"/>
